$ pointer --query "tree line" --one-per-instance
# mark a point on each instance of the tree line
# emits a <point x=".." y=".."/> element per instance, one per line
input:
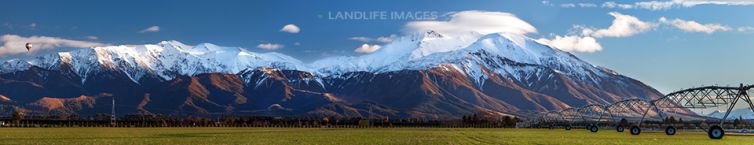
<point x="140" y="120"/>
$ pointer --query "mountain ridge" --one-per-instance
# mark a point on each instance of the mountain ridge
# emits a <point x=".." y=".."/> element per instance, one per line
<point x="431" y="75"/>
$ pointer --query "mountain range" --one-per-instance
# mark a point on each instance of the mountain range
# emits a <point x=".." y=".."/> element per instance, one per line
<point x="743" y="113"/>
<point x="422" y="75"/>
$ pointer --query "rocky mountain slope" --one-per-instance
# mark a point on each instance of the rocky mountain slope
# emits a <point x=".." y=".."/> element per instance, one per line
<point x="426" y="75"/>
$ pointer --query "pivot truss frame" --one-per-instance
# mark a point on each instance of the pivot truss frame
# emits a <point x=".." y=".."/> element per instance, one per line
<point x="629" y="109"/>
<point x="594" y="113"/>
<point x="693" y="98"/>
<point x="707" y="97"/>
<point x="551" y="118"/>
<point x="570" y="115"/>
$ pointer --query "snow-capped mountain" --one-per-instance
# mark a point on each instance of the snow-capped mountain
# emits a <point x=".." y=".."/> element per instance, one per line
<point x="744" y="113"/>
<point x="493" y="51"/>
<point x="168" y="59"/>
<point x="165" y="59"/>
<point x="426" y="75"/>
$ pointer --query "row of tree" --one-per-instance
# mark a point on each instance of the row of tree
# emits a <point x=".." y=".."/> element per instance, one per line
<point x="104" y="120"/>
<point x="482" y="119"/>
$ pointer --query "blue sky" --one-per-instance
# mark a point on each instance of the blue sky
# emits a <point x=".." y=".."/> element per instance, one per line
<point x="668" y="55"/>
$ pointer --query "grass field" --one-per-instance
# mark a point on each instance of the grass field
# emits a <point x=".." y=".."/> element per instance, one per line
<point x="348" y="136"/>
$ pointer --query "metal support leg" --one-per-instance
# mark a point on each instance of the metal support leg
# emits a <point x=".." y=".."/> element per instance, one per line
<point x="642" y="116"/>
<point x="730" y="108"/>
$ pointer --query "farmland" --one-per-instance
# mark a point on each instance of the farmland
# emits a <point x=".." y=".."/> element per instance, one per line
<point x="348" y="136"/>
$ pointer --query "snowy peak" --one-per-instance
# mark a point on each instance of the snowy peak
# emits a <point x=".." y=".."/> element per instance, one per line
<point x="525" y="50"/>
<point x="165" y="59"/>
<point x="520" y="49"/>
<point x="744" y="113"/>
<point x="471" y="54"/>
<point x="516" y="48"/>
<point x="434" y="42"/>
<point x="432" y="34"/>
<point x="14" y="64"/>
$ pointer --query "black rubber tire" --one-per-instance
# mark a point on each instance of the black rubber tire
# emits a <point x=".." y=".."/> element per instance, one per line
<point x="716" y="132"/>
<point x="635" y="130"/>
<point x="567" y="127"/>
<point x="670" y="130"/>
<point x="594" y="128"/>
<point x="620" y="128"/>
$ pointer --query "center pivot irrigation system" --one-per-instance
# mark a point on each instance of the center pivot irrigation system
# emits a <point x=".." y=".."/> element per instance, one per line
<point x="633" y="112"/>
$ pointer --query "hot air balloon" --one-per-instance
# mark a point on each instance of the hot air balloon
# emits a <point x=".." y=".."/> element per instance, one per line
<point x="28" y="46"/>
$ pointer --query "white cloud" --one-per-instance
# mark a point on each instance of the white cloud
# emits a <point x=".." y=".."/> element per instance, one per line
<point x="573" y="43"/>
<point x="587" y="5"/>
<point x="547" y="3"/>
<point x="270" y="46"/>
<point x="475" y="21"/>
<point x="625" y="26"/>
<point x="691" y="3"/>
<point x="693" y="26"/>
<point x="151" y="29"/>
<point x="582" y="5"/>
<point x="366" y="48"/>
<point x="616" y="5"/>
<point x="290" y="28"/>
<point x="14" y="44"/>
<point x="92" y="37"/>
<point x="568" y="5"/>
<point x="382" y="39"/>
<point x="745" y="29"/>
<point x="609" y="5"/>
<point x="655" y="5"/>
<point x="361" y="38"/>
<point x="386" y="39"/>
<point x="622" y="26"/>
<point x="666" y="5"/>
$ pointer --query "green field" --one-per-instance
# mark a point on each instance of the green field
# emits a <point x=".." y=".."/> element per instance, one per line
<point x="348" y="136"/>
